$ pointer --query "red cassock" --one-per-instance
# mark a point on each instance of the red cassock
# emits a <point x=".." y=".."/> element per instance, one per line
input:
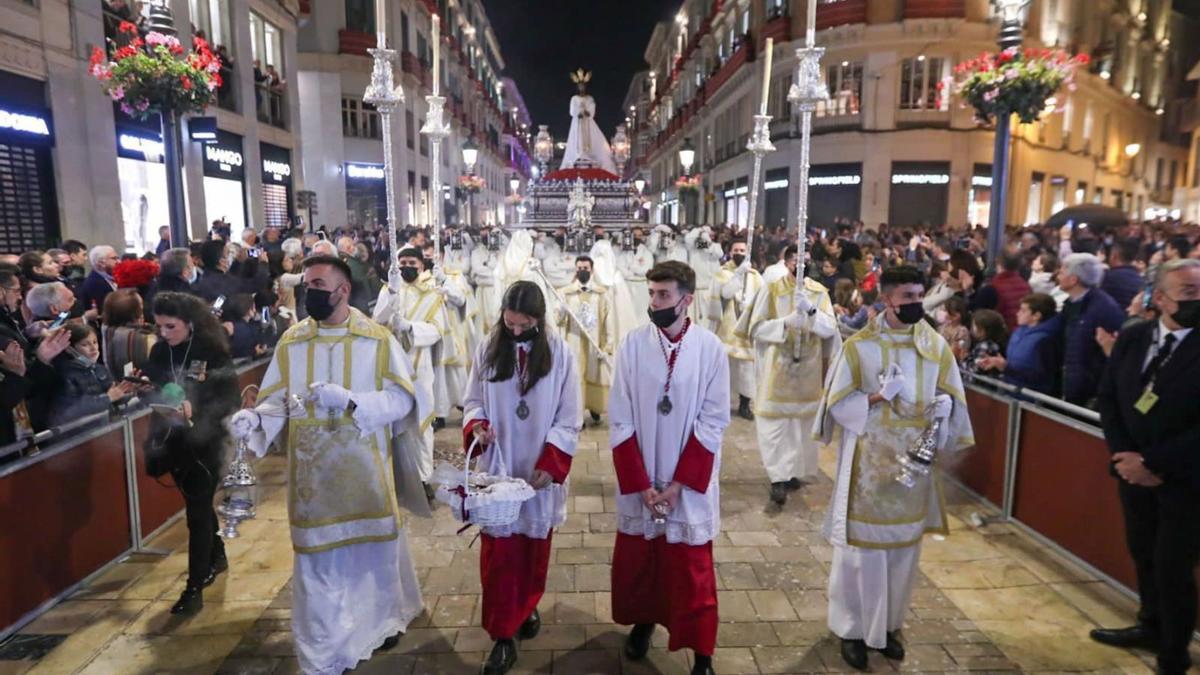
<point x="654" y="581"/>
<point x="512" y="569"/>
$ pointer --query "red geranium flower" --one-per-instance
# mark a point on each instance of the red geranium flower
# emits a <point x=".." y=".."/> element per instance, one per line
<point x="127" y="27"/>
<point x="187" y="84"/>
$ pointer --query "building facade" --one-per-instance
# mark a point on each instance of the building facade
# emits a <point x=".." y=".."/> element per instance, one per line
<point x="342" y="135"/>
<point x="890" y="145"/>
<point x="73" y="166"/>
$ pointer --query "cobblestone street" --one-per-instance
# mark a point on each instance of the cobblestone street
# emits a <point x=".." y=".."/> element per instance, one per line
<point x="988" y="599"/>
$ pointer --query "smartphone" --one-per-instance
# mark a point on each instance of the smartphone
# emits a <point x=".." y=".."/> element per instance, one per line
<point x="1148" y="296"/>
<point x="60" y="320"/>
<point x="320" y="235"/>
<point x="218" y="304"/>
<point x="253" y="253"/>
<point x="136" y="380"/>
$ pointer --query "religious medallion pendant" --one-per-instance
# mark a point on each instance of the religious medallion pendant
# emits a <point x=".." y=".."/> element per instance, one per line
<point x="664" y="406"/>
<point x="522" y="410"/>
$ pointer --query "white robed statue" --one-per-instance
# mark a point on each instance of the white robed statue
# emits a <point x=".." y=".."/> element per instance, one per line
<point x="585" y="142"/>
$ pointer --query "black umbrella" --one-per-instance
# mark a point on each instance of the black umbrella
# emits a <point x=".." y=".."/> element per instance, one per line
<point x="1095" y="218"/>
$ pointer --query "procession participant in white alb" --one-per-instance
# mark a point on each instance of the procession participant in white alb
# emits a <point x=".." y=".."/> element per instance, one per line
<point x="668" y="410"/>
<point x="449" y="353"/>
<point x="591" y="311"/>
<point x="606" y="273"/>
<point x="412" y="308"/>
<point x="485" y="258"/>
<point x="795" y="338"/>
<point x="704" y="256"/>
<point x="558" y="263"/>
<point x="633" y="261"/>
<point x="354" y="586"/>
<point x="888" y="382"/>
<point x="460" y="317"/>
<point x="666" y="245"/>
<point x="586" y="144"/>
<point x="734" y="290"/>
<point x="778" y="269"/>
<point x="522" y="402"/>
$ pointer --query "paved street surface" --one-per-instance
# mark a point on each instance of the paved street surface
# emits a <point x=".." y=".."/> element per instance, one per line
<point x="988" y="599"/>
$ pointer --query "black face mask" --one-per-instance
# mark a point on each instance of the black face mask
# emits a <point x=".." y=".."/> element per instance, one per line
<point x="663" y="318"/>
<point x="584" y="277"/>
<point x="409" y="274"/>
<point x="1188" y="314"/>
<point x="525" y="336"/>
<point x="910" y="313"/>
<point x="738" y="259"/>
<point x="318" y="304"/>
<point x="428" y="264"/>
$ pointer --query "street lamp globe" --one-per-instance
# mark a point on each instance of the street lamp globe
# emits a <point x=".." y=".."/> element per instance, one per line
<point x="514" y="183"/>
<point x="640" y="184"/>
<point x="470" y="154"/>
<point x="543" y="145"/>
<point x="1133" y="149"/>
<point x="687" y="155"/>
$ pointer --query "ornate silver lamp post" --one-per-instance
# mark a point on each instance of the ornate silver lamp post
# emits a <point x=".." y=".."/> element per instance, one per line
<point x="470" y="155"/>
<point x="437" y="130"/>
<point x="687" y="158"/>
<point x="620" y="149"/>
<point x="1011" y="19"/>
<point x="807" y="91"/>
<point x="760" y="145"/>
<point x="543" y="147"/>
<point x="386" y="97"/>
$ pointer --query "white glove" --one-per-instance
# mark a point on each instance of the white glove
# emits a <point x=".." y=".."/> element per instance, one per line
<point x="438" y="275"/>
<point x="394" y="279"/>
<point x="329" y="395"/>
<point x="244" y="423"/>
<point x="401" y="324"/>
<point x="743" y="269"/>
<point x="941" y="407"/>
<point x="803" y="304"/>
<point x="892" y="382"/>
<point x="561" y="314"/>
<point x="795" y="321"/>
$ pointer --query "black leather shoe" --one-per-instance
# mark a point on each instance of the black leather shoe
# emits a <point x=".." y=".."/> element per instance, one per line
<point x="429" y="493"/>
<point x="638" y="642"/>
<point x="219" y="565"/>
<point x="502" y="658"/>
<point x="439" y="423"/>
<point x="1133" y="637"/>
<point x="854" y="653"/>
<point x="596" y="418"/>
<point x="703" y="666"/>
<point x="779" y="493"/>
<point x="391" y="642"/>
<point x="793" y="484"/>
<point x="190" y="601"/>
<point x="744" y="411"/>
<point x="894" y="650"/>
<point x="530" y="627"/>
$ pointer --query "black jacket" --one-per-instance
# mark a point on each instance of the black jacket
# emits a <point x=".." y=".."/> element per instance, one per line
<point x="92" y="292"/>
<point x="213" y="399"/>
<point x="40" y="379"/>
<point x="1168" y="436"/>
<point x="215" y="283"/>
<point x="81" y="390"/>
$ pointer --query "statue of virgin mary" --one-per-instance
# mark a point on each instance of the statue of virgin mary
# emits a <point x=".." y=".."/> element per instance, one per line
<point x="586" y="145"/>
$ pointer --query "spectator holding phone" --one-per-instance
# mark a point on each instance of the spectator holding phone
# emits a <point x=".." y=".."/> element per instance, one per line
<point x="84" y="386"/>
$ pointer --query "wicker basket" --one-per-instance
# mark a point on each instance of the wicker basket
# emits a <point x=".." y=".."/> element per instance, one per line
<point x="486" y="499"/>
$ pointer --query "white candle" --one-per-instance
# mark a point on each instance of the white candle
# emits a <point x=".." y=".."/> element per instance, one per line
<point x="766" y="85"/>
<point x="381" y="24"/>
<point x="811" y="26"/>
<point x="437" y="51"/>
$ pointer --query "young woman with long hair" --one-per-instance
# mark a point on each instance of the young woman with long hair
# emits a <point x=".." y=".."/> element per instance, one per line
<point x="522" y="410"/>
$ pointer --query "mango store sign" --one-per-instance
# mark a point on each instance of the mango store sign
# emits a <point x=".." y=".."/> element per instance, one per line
<point x="277" y="170"/>
<point x="223" y="157"/>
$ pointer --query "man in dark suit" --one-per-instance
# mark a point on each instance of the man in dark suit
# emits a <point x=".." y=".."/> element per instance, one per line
<point x="216" y="281"/>
<point x="1147" y="403"/>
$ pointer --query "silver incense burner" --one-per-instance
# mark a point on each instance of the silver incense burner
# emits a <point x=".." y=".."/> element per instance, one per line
<point x="239" y="487"/>
<point x="917" y="461"/>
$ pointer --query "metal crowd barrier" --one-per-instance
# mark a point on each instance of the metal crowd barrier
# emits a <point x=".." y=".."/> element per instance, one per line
<point x="1042" y="463"/>
<point x="77" y="504"/>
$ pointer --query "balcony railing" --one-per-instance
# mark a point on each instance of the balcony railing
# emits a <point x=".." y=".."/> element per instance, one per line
<point x="270" y="106"/>
<point x="841" y="12"/>
<point x="934" y="9"/>
<point x="355" y="42"/>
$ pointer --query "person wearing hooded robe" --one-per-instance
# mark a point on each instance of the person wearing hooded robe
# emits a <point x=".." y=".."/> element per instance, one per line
<point x="558" y="264"/>
<point x="633" y="264"/>
<point x="607" y="271"/>
<point x="704" y="257"/>
<point x="460" y="315"/>
<point x="888" y="384"/>
<point x="485" y="260"/>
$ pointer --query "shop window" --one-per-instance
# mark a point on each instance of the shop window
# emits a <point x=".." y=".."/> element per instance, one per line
<point x="1033" y="211"/>
<point x="360" y="15"/>
<point x="26" y="199"/>
<point x="359" y="119"/>
<point x="919" y="78"/>
<point x="275" y="205"/>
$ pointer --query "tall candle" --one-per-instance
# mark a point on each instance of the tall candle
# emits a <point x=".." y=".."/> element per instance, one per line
<point x="437" y="51"/>
<point x="766" y="85"/>
<point x="381" y="24"/>
<point x="810" y="31"/>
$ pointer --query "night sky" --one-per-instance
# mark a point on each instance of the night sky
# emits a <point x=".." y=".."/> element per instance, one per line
<point x="607" y="37"/>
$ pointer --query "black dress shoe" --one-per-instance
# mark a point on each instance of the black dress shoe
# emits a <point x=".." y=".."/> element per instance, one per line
<point x="439" y="423"/>
<point x="502" y="658"/>
<point x="893" y="650"/>
<point x="638" y="642"/>
<point x="1133" y="637"/>
<point x="854" y="653"/>
<point x="794" y="484"/>
<point x="391" y="642"/>
<point x="219" y="565"/>
<point x="703" y="666"/>
<point x="190" y="601"/>
<point x="779" y="493"/>
<point x="744" y="409"/>
<point x="429" y="493"/>
<point x="530" y="627"/>
<point x="596" y="418"/>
